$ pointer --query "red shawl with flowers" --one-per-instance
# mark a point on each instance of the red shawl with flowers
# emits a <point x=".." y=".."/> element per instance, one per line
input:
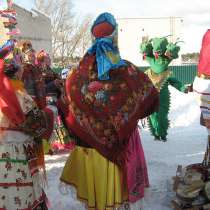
<point x="104" y="113"/>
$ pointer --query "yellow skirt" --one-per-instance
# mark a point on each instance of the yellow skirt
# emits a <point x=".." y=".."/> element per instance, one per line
<point x="46" y="146"/>
<point x="98" y="181"/>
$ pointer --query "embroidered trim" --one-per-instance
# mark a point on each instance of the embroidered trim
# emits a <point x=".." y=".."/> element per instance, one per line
<point x="158" y="80"/>
<point x="85" y="200"/>
<point x="16" y="184"/>
<point x="201" y="92"/>
<point x="13" y="160"/>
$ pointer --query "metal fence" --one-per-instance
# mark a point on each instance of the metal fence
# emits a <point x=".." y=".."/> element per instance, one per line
<point x="184" y="73"/>
<point x="57" y="70"/>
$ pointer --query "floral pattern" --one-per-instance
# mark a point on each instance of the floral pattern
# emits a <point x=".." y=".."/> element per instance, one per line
<point x="103" y="109"/>
<point x="19" y="185"/>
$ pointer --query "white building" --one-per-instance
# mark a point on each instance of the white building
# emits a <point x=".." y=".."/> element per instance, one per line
<point x="131" y="32"/>
<point x="34" y="26"/>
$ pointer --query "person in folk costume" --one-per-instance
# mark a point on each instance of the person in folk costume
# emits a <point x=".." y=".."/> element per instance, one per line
<point x="32" y="75"/>
<point x="44" y="62"/>
<point x="34" y="81"/>
<point x="62" y="105"/>
<point x="52" y="80"/>
<point x="54" y="89"/>
<point x="22" y="125"/>
<point x="201" y="87"/>
<point x="107" y="96"/>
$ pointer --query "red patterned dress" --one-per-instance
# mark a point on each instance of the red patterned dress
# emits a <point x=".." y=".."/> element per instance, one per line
<point x="21" y="183"/>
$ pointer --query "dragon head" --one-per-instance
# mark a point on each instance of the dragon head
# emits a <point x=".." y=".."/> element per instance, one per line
<point x="146" y="48"/>
<point x="159" y="53"/>
<point x="159" y="46"/>
<point x="172" y="50"/>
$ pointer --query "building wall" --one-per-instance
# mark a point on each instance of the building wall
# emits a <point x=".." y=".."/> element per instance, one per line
<point x="34" y="26"/>
<point x="131" y="31"/>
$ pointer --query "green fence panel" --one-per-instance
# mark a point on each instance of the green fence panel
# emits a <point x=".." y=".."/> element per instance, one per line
<point x="184" y="73"/>
<point x="57" y="69"/>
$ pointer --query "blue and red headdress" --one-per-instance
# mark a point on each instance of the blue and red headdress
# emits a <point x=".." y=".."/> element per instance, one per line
<point x="104" y="30"/>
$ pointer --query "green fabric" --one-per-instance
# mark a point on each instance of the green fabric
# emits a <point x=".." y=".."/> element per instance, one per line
<point x="146" y="48"/>
<point x="177" y="84"/>
<point x="159" y="64"/>
<point x="158" y="52"/>
<point x="159" y="45"/>
<point x="173" y="50"/>
<point x="13" y="160"/>
<point x="158" y="121"/>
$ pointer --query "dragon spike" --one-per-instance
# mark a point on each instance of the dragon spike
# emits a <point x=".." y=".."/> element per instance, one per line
<point x="179" y="42"/>
<point x="161" y="37"/>
<point x="166" y="36"/>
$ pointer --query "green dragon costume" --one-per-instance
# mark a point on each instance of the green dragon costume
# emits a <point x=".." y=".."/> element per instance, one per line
<point x="158" y="52"/>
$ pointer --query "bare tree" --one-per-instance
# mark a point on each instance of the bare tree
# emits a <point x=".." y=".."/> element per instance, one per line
<point x="81" y="40"/>
<point x="68" y="34"/>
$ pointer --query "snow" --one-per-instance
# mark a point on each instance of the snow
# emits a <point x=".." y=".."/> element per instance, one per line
<point x="186" y="144"/>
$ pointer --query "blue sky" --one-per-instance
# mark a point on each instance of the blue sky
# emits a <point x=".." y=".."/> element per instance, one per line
<point x="25" y="3"/>
<point x="196" y="13"/>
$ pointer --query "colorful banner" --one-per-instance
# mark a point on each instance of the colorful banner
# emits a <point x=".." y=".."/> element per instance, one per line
<point x="11" y="23"/>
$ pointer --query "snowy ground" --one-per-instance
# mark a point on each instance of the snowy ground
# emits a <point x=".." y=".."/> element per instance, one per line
<point x="186" y="144"/>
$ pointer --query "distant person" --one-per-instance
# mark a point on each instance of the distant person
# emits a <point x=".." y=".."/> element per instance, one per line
<point x="64" y="73"/>
<point x="53" y="82"/>
<point x="54" y="89"/>
<point x="32" y="75"/>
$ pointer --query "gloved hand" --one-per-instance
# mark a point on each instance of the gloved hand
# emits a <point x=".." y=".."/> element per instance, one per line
<point x="189" y="88"/>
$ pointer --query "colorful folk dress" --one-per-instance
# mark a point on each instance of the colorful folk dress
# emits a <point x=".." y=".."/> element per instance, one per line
<point x="21" y="181"/>
<point x="115" y="173"/>
<point x="106" y="98"/>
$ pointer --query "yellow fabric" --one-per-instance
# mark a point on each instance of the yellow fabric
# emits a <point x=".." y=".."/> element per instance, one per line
<point x="18" y="85"/>
<point x="158" y="80"/>
<point x="97" y="180"/>
<point x="46" y="146"/>
<point x="203" y="100"/>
